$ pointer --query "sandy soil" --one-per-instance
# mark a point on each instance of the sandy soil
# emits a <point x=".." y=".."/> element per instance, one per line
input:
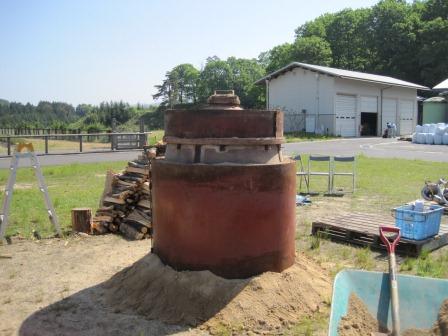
<point x="358" y="320"/>
<point x="57" y="280"/>
<point x="267" y="304"/>
<point x="105" y="285"/>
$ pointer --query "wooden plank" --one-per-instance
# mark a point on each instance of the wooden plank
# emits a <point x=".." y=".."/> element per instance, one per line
<point x="103" y="218"/>
<point x="144" y="204"/>
<point x="107" y="186"/>
<point x="136" y="170"/>
<point x="114" y="200"/>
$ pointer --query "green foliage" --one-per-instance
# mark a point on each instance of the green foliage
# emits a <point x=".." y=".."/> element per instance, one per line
<point x="184" y="85"/>
<point x="180" y="86"/>
<point x="309" y="325"/>
<point x="313" y="49"/>
<point x="45" y="114"/>
<point x="363" y="259"/>
<point x="394" y="37"/>
<point x="303" y="136"/>
<point x="63" y="116"/>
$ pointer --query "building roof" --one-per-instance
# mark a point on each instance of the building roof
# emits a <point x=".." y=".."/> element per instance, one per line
<point x="346" y="74"/>
<point x="435" y="100"/>
<point x="442" y="86"/>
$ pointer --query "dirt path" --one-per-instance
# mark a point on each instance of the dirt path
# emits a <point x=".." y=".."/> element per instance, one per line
<point x="66" y="272"/>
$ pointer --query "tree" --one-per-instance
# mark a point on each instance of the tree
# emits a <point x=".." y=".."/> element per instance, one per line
<point x="184" y="79"/>
<point x="433" y="53"/>
<point x="346" y="34"/>
<point x="316" y="27"/>
<point x="278" y="57"/>
<point x="313" y="50"/>
<point x="216" y="75"/>
<point x="245" y="72"/>
<point x="233" y="74"/>
<point x="393" y="39"/>
<point x="179" y="86"/>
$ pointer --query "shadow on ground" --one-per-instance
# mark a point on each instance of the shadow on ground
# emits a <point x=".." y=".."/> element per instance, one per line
<point x="147" y="298"/>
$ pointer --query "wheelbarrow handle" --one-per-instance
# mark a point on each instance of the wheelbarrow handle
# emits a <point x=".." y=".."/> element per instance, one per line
<point x="390" y="245"/>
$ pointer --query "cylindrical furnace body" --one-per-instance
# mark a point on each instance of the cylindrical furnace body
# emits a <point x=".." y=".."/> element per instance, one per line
<point x="224" y="196"/>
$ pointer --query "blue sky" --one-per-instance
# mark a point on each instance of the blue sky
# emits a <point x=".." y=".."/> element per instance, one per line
<point x="88" y="51"/>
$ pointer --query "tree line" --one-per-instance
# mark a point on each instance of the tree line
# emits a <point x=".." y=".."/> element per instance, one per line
<point x="394" y="38"/>
<point x="58" y="115"/>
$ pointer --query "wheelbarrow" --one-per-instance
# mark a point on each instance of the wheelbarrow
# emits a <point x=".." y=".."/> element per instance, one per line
<point x="420" y="298"/>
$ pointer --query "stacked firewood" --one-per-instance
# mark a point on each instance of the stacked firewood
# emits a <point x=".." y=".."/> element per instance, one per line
<point x="125" y="206"/>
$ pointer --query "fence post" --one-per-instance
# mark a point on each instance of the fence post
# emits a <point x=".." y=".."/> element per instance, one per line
<point x="114" y="137"/>
<point x="142" y="134"/>
<point x="8" y="141"/>
<point x="46" y="144"/>
<point x="80" y="143"/>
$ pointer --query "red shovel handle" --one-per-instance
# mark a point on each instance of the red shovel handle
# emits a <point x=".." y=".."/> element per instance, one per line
<point x="390" y="245"/>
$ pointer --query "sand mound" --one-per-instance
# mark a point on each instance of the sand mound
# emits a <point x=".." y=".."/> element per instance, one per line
<point x="265" y="302"/>
<point x="358" y="320"/>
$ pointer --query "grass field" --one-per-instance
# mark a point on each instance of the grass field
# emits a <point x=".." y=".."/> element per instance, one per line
<point x="155" y="136"/>
<point x="302" y="136"/>
<point x="381" y="185"/>
<point x="70" y="186"/>
<point x="289" y="137"/>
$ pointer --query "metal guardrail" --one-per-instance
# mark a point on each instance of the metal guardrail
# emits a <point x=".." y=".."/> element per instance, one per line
<point x="115" y="141"/>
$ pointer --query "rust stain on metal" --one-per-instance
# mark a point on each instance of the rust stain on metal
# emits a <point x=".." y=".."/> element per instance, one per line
<point x="233" y="218"/>
<point x="221" y="123"/>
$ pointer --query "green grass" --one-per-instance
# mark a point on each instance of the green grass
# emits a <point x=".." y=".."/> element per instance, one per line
<point x="302" y="136"/>
<point x="70" y="186"/>
<point x="380" y="183"/>
<point x="309" y="326"/>
<point x="156" y="135"/>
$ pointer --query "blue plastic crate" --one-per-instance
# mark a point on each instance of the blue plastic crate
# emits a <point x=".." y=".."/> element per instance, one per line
<point x="417" y="225"/>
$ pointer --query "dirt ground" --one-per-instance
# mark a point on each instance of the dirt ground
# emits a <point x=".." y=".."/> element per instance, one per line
<point x="81" y="286"/>
<point x="54" y="278"/>
<point x="59" y="282"/>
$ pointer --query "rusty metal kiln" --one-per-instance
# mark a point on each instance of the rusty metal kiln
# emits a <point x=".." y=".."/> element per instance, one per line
<point x="224" y="195"/>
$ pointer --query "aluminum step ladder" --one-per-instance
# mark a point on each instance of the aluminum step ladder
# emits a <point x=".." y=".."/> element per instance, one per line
<point x="18" y="154"/>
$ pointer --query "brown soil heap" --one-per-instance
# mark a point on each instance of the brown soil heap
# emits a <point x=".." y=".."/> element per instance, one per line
<point x="266" y="302"/>
<point x="359" y="321"/>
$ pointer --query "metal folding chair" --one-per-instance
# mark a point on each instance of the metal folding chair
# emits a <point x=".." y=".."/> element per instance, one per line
<point x="334" y="171"/>
<point x="301" y="172"/>
<point x="319" y="158"/>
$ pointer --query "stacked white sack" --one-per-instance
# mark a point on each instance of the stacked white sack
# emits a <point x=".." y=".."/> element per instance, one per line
<point x="431" y="134"/>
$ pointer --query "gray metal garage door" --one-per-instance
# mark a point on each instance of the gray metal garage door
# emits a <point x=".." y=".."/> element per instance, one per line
<point x="389" y="112"/>
<point x="406" y="117"/>
<point x="345" y="111"/>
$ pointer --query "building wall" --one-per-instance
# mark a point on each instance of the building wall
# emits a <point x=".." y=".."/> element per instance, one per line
<point x="435" y="112"/>
<point x="299" y="91"/>
<point x="359" y="89"/>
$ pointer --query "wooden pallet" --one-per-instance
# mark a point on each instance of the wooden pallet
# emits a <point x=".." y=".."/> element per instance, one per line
<point x="363" y="229"/>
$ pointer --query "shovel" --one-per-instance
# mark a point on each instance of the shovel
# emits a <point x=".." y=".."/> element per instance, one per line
<point x="385" y="232"/>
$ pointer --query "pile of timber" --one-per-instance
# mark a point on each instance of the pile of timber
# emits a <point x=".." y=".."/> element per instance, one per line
<point x="125" y="206"/>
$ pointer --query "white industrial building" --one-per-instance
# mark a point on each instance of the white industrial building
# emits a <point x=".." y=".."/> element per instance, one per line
<point x="320" y="99"/>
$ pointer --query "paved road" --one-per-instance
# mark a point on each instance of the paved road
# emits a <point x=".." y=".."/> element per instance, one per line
<point x="372" y="147"/>
<point x="50" y="160"/>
